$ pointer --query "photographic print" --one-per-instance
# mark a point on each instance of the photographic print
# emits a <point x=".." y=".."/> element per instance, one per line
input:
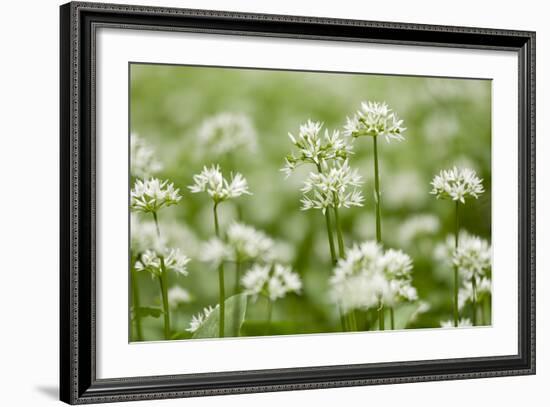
<point x="273" y="202"/>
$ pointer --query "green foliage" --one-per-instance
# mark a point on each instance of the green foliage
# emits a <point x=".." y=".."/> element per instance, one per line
<point x="142" y="312"/>
<point x="235" y="310"/>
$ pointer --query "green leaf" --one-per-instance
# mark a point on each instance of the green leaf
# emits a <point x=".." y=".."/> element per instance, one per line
<point x="235" y="310"/>
<point x="403" y="314"/>
<point x="142" y="312"/>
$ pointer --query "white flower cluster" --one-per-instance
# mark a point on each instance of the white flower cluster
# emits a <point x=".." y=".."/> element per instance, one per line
<point x="227" y="132"/>
<point x="178" y="295"/>
<point x="335" y="188"/>
<point x="417" y="226"/>
<point x="369" y="277"/>
<point x="243" y="243"/>
<point x="314" y="149"/>
<point x="198" y="319"/>
<point x="375" y="119"/>
<point x="457" y="184"/>
<point x="143" y="162"/>
<point x="473" y="257"/>
<point x="273" y="281"/>
<point x="462" y="323"/>
<point x="152" y="262"/>
<point x="248" y="243"/>
<point x="211" y="181"/>
<point x="151" y="195"/>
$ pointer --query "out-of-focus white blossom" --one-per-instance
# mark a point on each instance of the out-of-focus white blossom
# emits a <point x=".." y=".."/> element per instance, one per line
<point x="375" y="119"/>
<point x="273" y="281"/>
<point x="178" y="295"/>
<point x="462" y="323"/>
<point x="215" y="251"/>
<point x="369" y="277"/>
<point x="211" y="181"/>
<point x="315" y="149"/>
<point x="198" y="319"/>
<point x="335" y="188"/>
<point x="473" y="257"/>
<point x="143" y="235"/>
<point x="457" y="184"/>
<point x="226" y="133"/>
<point x="418" y="225"/>
<point x="143" y="162"/>
<point x="248" y="243"/>
<point x="151" y="261"/>
<point x="151" y="195"/>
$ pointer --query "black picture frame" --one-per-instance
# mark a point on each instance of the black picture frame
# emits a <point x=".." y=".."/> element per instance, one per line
<point x="78" y="382"/>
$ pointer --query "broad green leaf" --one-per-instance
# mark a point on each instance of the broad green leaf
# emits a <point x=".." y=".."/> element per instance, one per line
<point x="235" y="309"/>
<point x="142" y="312"/>
<point x="403" y="314"/>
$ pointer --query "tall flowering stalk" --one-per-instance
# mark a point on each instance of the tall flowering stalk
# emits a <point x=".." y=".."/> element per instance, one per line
<point x="457" y="185"/>
<point x="334" y="184"/>
<point x="212" y="181"/>
<point x="375" y="119"/>
<point x="272" y="281"/>
<point x="150" y="196"/>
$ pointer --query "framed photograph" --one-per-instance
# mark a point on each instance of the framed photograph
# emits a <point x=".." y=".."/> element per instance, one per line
<point x="255" y="203"/>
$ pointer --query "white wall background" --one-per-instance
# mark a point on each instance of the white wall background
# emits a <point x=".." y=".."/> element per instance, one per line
<point x="29" y="212"/>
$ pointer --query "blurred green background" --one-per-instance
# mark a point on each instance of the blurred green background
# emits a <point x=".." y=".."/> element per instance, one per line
<point x="448" y="123"/>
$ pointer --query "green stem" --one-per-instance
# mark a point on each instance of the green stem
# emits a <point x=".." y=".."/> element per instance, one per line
<point x="341" y="249"/>
<point x="136" y="301"/>
<point x="157" y="225"/>
<point x="474" y="301"/>
<point x="269" y="315"/>
<point x="163" y="280"/>
<point x="221" y="279"/>
<point x="377" y="191"/>
<point x="381" y="317"/>
<point x="237" y="309"/>
<point x="392" y="319"/>
<point x="455" y="305"/>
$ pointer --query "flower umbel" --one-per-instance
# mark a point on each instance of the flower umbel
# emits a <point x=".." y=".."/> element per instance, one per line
<point x="211" y="180"/>
<point x="457" y="184"/>
<point x="143" y="162"/>
<point x="174" y="260"/>
<point x="375" y="119"/>
<point x="151" y="195"/>
<point x="335" y="188"/>
<point x="273" y="281"/>
<point x="226" y="133"/>
<point x="314" y="148"/>
<point x="473" y="257"/>
<point x="248" y="243"/>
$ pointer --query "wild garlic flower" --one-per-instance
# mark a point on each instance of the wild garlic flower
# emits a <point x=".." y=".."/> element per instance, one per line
<point x="248" y="243"/>
<point x="225" y="133"/>
<point x="178" y="295"/>
<point x="375" y="119"/>
<point x="335" y="188"/>
<point x="369" y="277"/>
<point x="315" y="149"/>
<point x="143" y="162"/>
<point x="211" y="181"/>
<point x="457" y="184"/>
<point x="466" y="293"/>
<point x="473" y="257"/>
<point x="215" y="251"/>
<point x="153" y="194"/>
<point x="417" y="226"/>
<point x="462" y="323"/>
<point x="198" y="319"/>
<point x="273" y="281"/>
<point x="174" y="260"/>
